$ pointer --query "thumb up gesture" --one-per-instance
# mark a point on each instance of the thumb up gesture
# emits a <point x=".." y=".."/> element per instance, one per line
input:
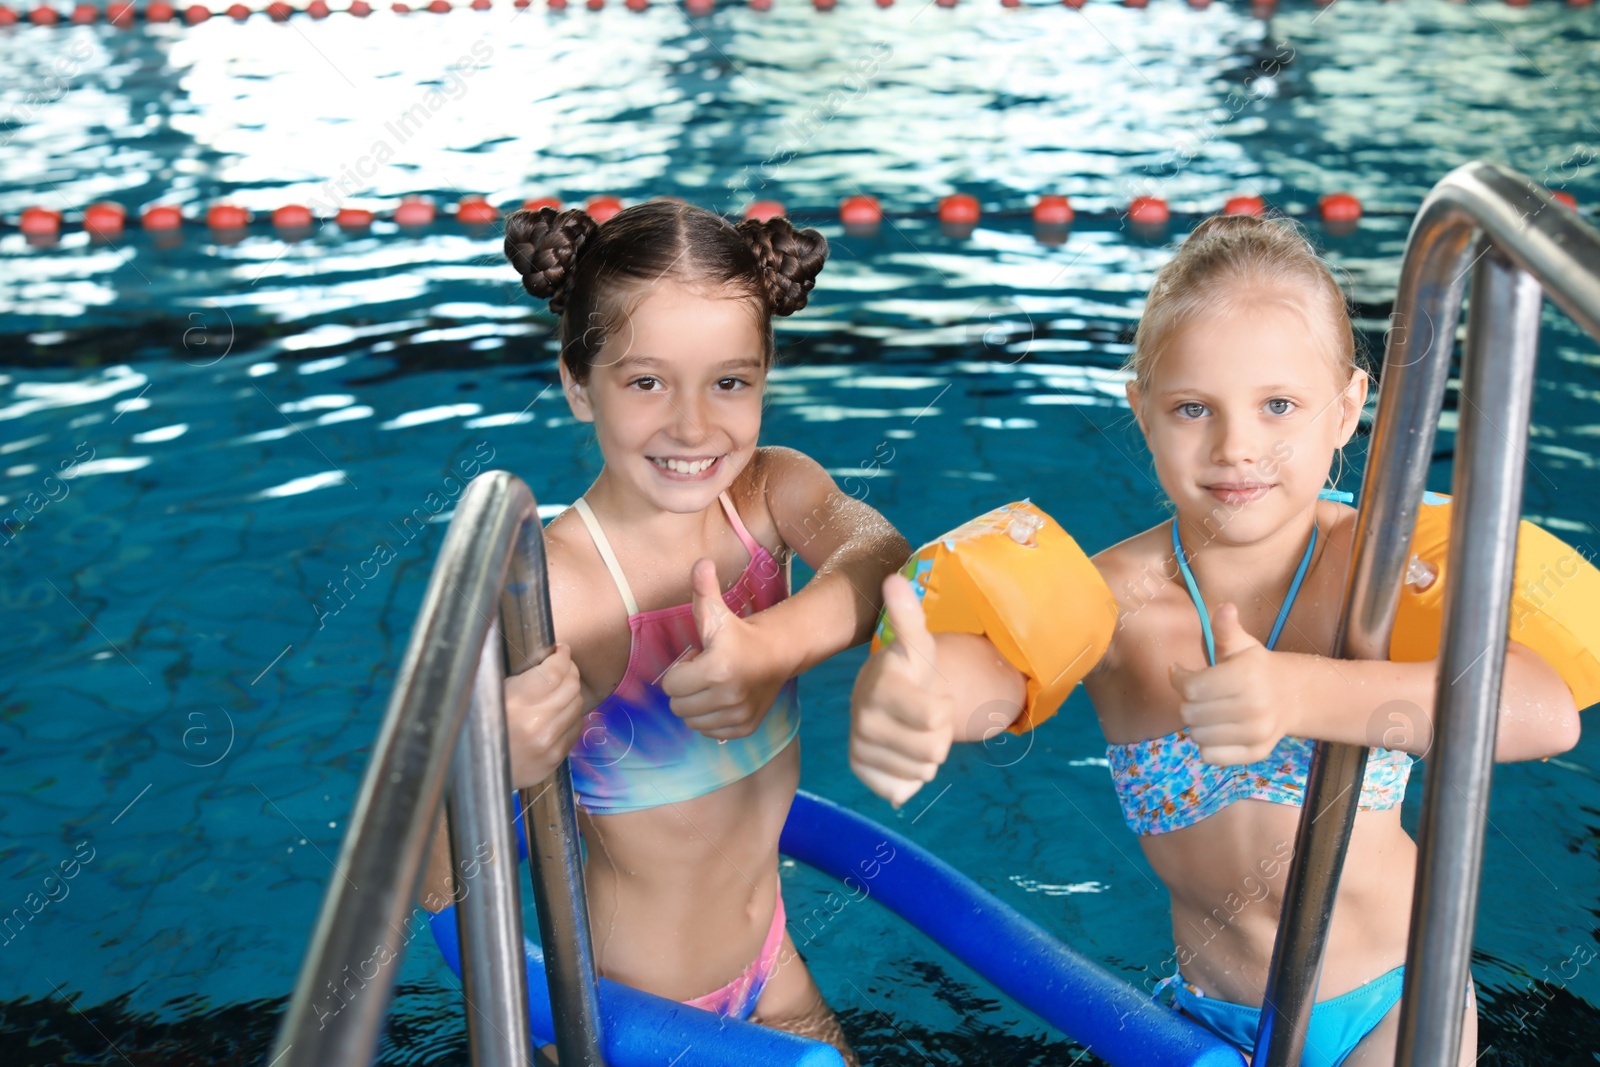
<point x="724" y="688"/>
<point x="902" y="713"/>
<point x="1238" y="710"/>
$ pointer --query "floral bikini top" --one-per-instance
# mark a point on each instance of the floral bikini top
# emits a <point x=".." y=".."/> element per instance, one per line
<point x="1163" y="785"/>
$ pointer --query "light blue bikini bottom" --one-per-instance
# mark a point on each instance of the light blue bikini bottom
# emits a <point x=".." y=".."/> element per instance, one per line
<point x="1337" y="1025"/>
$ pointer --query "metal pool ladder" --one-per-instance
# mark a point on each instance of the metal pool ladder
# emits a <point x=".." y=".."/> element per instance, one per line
<point x="1514" y="239"/>
<point x="486" y="613"/>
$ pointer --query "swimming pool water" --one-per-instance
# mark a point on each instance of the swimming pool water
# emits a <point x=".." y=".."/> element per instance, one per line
<point x="249" y="422"/>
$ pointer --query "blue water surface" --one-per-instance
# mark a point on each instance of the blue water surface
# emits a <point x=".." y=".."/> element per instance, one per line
<point x="187" y="705"/>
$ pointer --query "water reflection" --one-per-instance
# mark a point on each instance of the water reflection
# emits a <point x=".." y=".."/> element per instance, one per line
<point x="907" y="103"/>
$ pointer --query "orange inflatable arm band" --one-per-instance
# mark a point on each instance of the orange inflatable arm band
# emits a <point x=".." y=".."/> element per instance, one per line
<point x="1555" y="601"/>
<point x="1015" y="576"/>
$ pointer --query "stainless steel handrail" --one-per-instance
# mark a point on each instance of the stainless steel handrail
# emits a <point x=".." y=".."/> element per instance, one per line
<point x="491" y="947"/>
<point x="491" y="563"/>
<point x="1513" y="237"/>
<point x="548" y="810"/>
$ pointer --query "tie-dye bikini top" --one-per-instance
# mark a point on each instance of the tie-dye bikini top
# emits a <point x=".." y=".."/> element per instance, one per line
<point x="1163" y="785"/>
<point x="634" y="752"/>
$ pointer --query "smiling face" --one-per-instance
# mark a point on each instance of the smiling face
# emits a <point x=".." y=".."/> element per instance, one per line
<point x="1243" y="412"/>
<point x="675" y="396"/>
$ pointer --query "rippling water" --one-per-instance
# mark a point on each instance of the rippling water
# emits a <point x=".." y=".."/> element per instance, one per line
<point x="188" y="704"/>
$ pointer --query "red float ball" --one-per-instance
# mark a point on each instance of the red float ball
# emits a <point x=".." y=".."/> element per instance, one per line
<point x="37" y="221"/>
<point x="1053" y="210"/>
<point x="120" y="14"/>
<point x="439" y="7"/>
<point x="161" y="217"/>
<point x="558" y="5"/>
<point x="1135" y="3"/>
<point x="238" y="12"/>
<point x="195" y="14"/>
<point x="1564" y="198"/>
<point x="105" y="217"/>
<point x="44" y="16"/>
<point x="359" y="8"/>
<point x="761" y="5"/>
<point x="959" y="208"/>
<point x="414" y="211"/>
<point x="860" y="211"/>
<point x="824" y="5"/>
<point x="400" y="8"/>
<point x="885" y="3"/>
<point x="278" y="11"/>
<point x="539" y="202"/>
<point x="945" y="3"/>
<point x="1339" y="207"/>
<point x="476" y="211"/>
<point x="1073" y="3"/>
<point x="1245" y="205"/>
<point x="601" y="208"/>
<point x="699" y="7"/>
<point x="83" y="14"/>
<point x="481" y="5"/>
<point x="1199" y="5"/>
<point x="636" y="5"/>
<point x="317" y="9"/>
<point x="8" y="17"/>
<point x="292" y="217"/>
<point x="764" y="210"/>
<point x="353" y="218"/>
<point x="1010" y="3"/>
<point x="227" y="217"/>
<point x="1148" y="211"/>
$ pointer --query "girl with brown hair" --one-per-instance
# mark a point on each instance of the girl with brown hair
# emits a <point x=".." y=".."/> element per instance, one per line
<point x="673" y="689"/>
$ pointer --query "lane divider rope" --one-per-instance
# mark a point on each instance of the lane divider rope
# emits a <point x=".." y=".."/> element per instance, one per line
<point x="958" y="213"/>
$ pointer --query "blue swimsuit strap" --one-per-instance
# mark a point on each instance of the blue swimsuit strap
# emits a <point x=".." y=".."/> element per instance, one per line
<point x="1200" y="604"/>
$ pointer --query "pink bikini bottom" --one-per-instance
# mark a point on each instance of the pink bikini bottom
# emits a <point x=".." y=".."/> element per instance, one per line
<point x="738" y="998"/>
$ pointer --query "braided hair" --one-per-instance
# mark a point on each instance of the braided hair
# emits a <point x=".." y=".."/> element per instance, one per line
<point x="544" y="247"/>
<point x="595" y="275"/>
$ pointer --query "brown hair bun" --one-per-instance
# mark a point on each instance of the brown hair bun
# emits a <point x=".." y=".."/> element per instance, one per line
<point x="790" y="260"/>
<point x="544" y="247"/>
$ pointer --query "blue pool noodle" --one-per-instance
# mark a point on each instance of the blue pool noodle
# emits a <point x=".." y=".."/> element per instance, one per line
<point x="1109" y="1016"/>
